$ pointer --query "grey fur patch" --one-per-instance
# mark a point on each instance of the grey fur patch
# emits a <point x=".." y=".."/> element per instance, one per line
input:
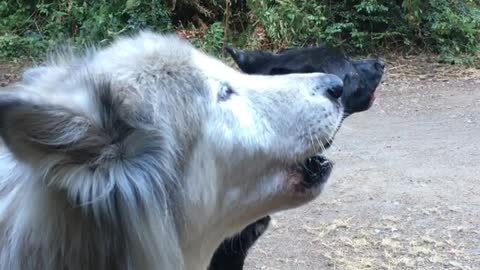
<point x="112" y="174"/>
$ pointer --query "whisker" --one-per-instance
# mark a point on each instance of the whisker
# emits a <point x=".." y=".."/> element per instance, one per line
<point x="323" y="150"/>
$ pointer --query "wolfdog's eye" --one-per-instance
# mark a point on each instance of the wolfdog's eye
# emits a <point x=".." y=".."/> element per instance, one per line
<point x="225" y="92"/>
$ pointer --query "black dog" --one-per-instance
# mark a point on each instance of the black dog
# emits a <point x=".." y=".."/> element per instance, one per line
<point x="232" y="252"/>
<point x="360" y="78"/>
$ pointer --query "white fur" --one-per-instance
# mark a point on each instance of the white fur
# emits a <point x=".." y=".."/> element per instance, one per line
<point x="221" y="163"/>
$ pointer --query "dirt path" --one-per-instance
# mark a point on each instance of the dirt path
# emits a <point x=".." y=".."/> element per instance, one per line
<point x="405" y="192"/>
<point x="10" y="71"/>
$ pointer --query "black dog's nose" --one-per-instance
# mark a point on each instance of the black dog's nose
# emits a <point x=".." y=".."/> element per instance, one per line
<point x="335" y="91"/>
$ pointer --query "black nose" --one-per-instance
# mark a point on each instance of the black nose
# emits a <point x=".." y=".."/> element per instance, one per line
<point x="335" y="91"/>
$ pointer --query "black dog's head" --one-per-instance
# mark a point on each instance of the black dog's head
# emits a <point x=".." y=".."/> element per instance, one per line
<point x="361" y="84"/>
<point x="361" y="77"/>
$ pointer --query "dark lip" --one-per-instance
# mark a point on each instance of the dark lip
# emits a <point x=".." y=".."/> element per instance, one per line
<point x="316" y="170"/>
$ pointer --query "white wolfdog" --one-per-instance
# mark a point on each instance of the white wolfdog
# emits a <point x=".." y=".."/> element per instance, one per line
<point x="146" y="154"/>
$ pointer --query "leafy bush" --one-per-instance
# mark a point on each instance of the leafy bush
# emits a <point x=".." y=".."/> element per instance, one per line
<point x="453" y="28"/>
<point x="27" y="29"/>
<point x="291" y="22"/>
<point x="356" y="26"/>
<point x="448" y="27"/>
<point x="212" y="41"/>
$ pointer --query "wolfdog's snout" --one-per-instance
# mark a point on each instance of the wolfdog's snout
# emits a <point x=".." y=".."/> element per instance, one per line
<point x="329" y="85"/>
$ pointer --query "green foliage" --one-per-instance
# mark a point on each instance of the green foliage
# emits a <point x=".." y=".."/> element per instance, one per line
<point x="28" y="27"/>
<point x="447" y="27"/>
<point x="291" y="22"/>
<point x="212" y="41"/>
<point x="454" y="29"/>
<point x="354" y="25"/>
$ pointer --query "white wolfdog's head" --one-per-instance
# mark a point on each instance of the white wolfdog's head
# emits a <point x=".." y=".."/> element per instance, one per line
<point x="148" y="153"/>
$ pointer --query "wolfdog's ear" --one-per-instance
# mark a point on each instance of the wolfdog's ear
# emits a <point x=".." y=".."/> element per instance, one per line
<point x="33" y="130"/>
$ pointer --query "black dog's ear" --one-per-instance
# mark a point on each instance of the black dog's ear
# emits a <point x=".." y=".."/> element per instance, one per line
<point x="239" y="56"/>
<point x="252" y="62"/>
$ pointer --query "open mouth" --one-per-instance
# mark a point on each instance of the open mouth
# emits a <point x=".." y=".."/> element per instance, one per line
<point x="316" y="170"/>
<point x="313" y="173"/>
